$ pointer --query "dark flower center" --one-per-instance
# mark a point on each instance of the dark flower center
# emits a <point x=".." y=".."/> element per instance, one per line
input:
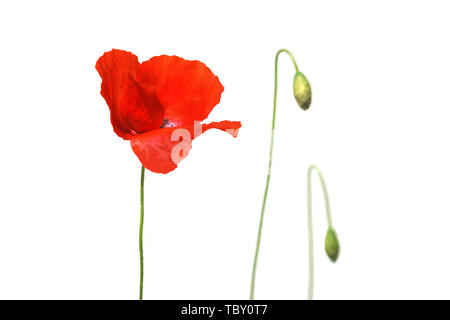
<point x="166" y="124"/>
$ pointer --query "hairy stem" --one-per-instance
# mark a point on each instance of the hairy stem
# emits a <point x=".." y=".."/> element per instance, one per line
<point x="310" y="223"/>
<point x="261" y="219"/>
<point x="141" y="246"/>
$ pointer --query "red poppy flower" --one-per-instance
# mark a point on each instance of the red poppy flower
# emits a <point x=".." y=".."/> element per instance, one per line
<point x="159" y="104"/>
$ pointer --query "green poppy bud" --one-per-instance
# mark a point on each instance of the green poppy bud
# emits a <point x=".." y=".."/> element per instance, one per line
<point x="332" y="245"/>
<point x="302" y="90"/>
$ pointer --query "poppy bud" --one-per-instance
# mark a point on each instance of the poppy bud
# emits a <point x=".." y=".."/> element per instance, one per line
<point x="302" y="90"/>
<point x="332" y="245"/>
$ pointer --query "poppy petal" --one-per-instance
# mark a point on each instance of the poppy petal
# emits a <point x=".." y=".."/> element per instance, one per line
<point x="133" y="108"/>
<point x="188" y="90"/>
<point x="161" y="150"/>
<point x="139" y="107"/>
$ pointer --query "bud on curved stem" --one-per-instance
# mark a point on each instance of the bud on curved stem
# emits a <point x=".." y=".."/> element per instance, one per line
<point x="331" y="241"/>
<point x="302" y="93"/>
<point x="332" y="245"/>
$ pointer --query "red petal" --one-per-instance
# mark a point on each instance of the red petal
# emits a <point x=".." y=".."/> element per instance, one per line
<point x="133" y="108"/>
<point x="139" y="107"/>
<point x="188" y="90"/>
<point x="161" y="150"/>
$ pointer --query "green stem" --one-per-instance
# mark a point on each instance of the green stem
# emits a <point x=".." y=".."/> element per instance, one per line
<point x="310" y="223"/>
<point x="258" y="241"/>
<point x="141" y="247"/>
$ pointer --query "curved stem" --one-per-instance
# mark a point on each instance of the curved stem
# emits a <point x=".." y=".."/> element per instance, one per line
<point x="310" y="223"/>
<point x="261" y="219"/>
<point x="141" y="247"/>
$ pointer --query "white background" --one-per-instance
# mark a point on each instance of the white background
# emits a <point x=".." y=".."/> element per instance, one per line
<point x="377" y="128"/>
